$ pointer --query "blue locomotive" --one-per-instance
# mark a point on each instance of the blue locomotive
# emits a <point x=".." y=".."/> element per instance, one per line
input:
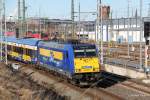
<point x="74" y="60"/>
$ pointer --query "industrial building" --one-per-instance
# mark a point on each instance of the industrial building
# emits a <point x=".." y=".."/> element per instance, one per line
<point x="116" y="29"/>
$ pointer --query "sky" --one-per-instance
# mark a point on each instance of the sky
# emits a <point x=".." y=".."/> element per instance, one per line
<point x="61" y="9"/>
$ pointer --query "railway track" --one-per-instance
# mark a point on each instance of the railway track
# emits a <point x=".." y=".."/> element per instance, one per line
<point x="62" y="86"/>
<point x="127" y="88"/>
<point x="137" y="86"/>
<point x="93" y="93"/>
<point x="106" y="95"/>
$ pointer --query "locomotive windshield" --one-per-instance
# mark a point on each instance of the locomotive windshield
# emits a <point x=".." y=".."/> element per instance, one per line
<point x="85" y="51"/>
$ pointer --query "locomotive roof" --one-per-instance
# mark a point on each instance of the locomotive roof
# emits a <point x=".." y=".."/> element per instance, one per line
<point x="74" y="42"/>
<point x="61" y="41"/>
<point x="62" y="44"/>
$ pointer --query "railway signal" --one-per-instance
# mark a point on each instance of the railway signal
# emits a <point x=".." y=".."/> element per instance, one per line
<point x="147" y="41"/>
<point x="147" y="32"/>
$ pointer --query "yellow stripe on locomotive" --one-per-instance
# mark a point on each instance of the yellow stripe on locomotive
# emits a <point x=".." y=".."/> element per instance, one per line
<point x="56" y="54"/>
<point x="86" y="65"/>
<point x="44" y="52"/>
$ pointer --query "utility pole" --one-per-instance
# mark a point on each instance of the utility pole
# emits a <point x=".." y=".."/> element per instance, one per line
<point x="101" y="29"/>
<point x="1" y="30"/>
<point x="79" y="20"/>
<point x="97" y="24"/>
<point x="72" y="19"/>
<point x="141" y="31"/>
<point x="97" y="29"/>
<point x="40" y="27"/>
<point x="21" y="17"/>
<point x="24" y="9"/>
<point x="128" y="28"/>
<point x="24" y="18"/>
<point x="3" y="33"/>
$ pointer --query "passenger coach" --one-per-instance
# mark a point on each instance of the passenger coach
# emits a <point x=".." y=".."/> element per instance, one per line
<point x="23" y="49"/>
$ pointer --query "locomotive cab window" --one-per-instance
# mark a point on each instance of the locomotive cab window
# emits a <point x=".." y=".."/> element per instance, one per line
<point x="85" y="51"/>
<point x="90" y="52"/>
<point x="79" y="53"/>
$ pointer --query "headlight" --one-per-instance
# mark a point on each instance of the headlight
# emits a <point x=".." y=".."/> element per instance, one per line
<point x="94" y="69"/>
<point x="78" y="70"/>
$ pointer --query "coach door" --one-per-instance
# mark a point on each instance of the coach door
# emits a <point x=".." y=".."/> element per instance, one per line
<point x="66" y="60"/>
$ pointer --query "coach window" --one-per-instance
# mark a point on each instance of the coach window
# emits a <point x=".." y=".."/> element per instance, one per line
<point x="26" y="51"/>
<point x="33" y="53"/>
<point x="9" y="47"/>
<point x="19" y="50"/>
<point x="15" y="49"/>
<point x="29" y="52"/>
<point x="3" y="44"/>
